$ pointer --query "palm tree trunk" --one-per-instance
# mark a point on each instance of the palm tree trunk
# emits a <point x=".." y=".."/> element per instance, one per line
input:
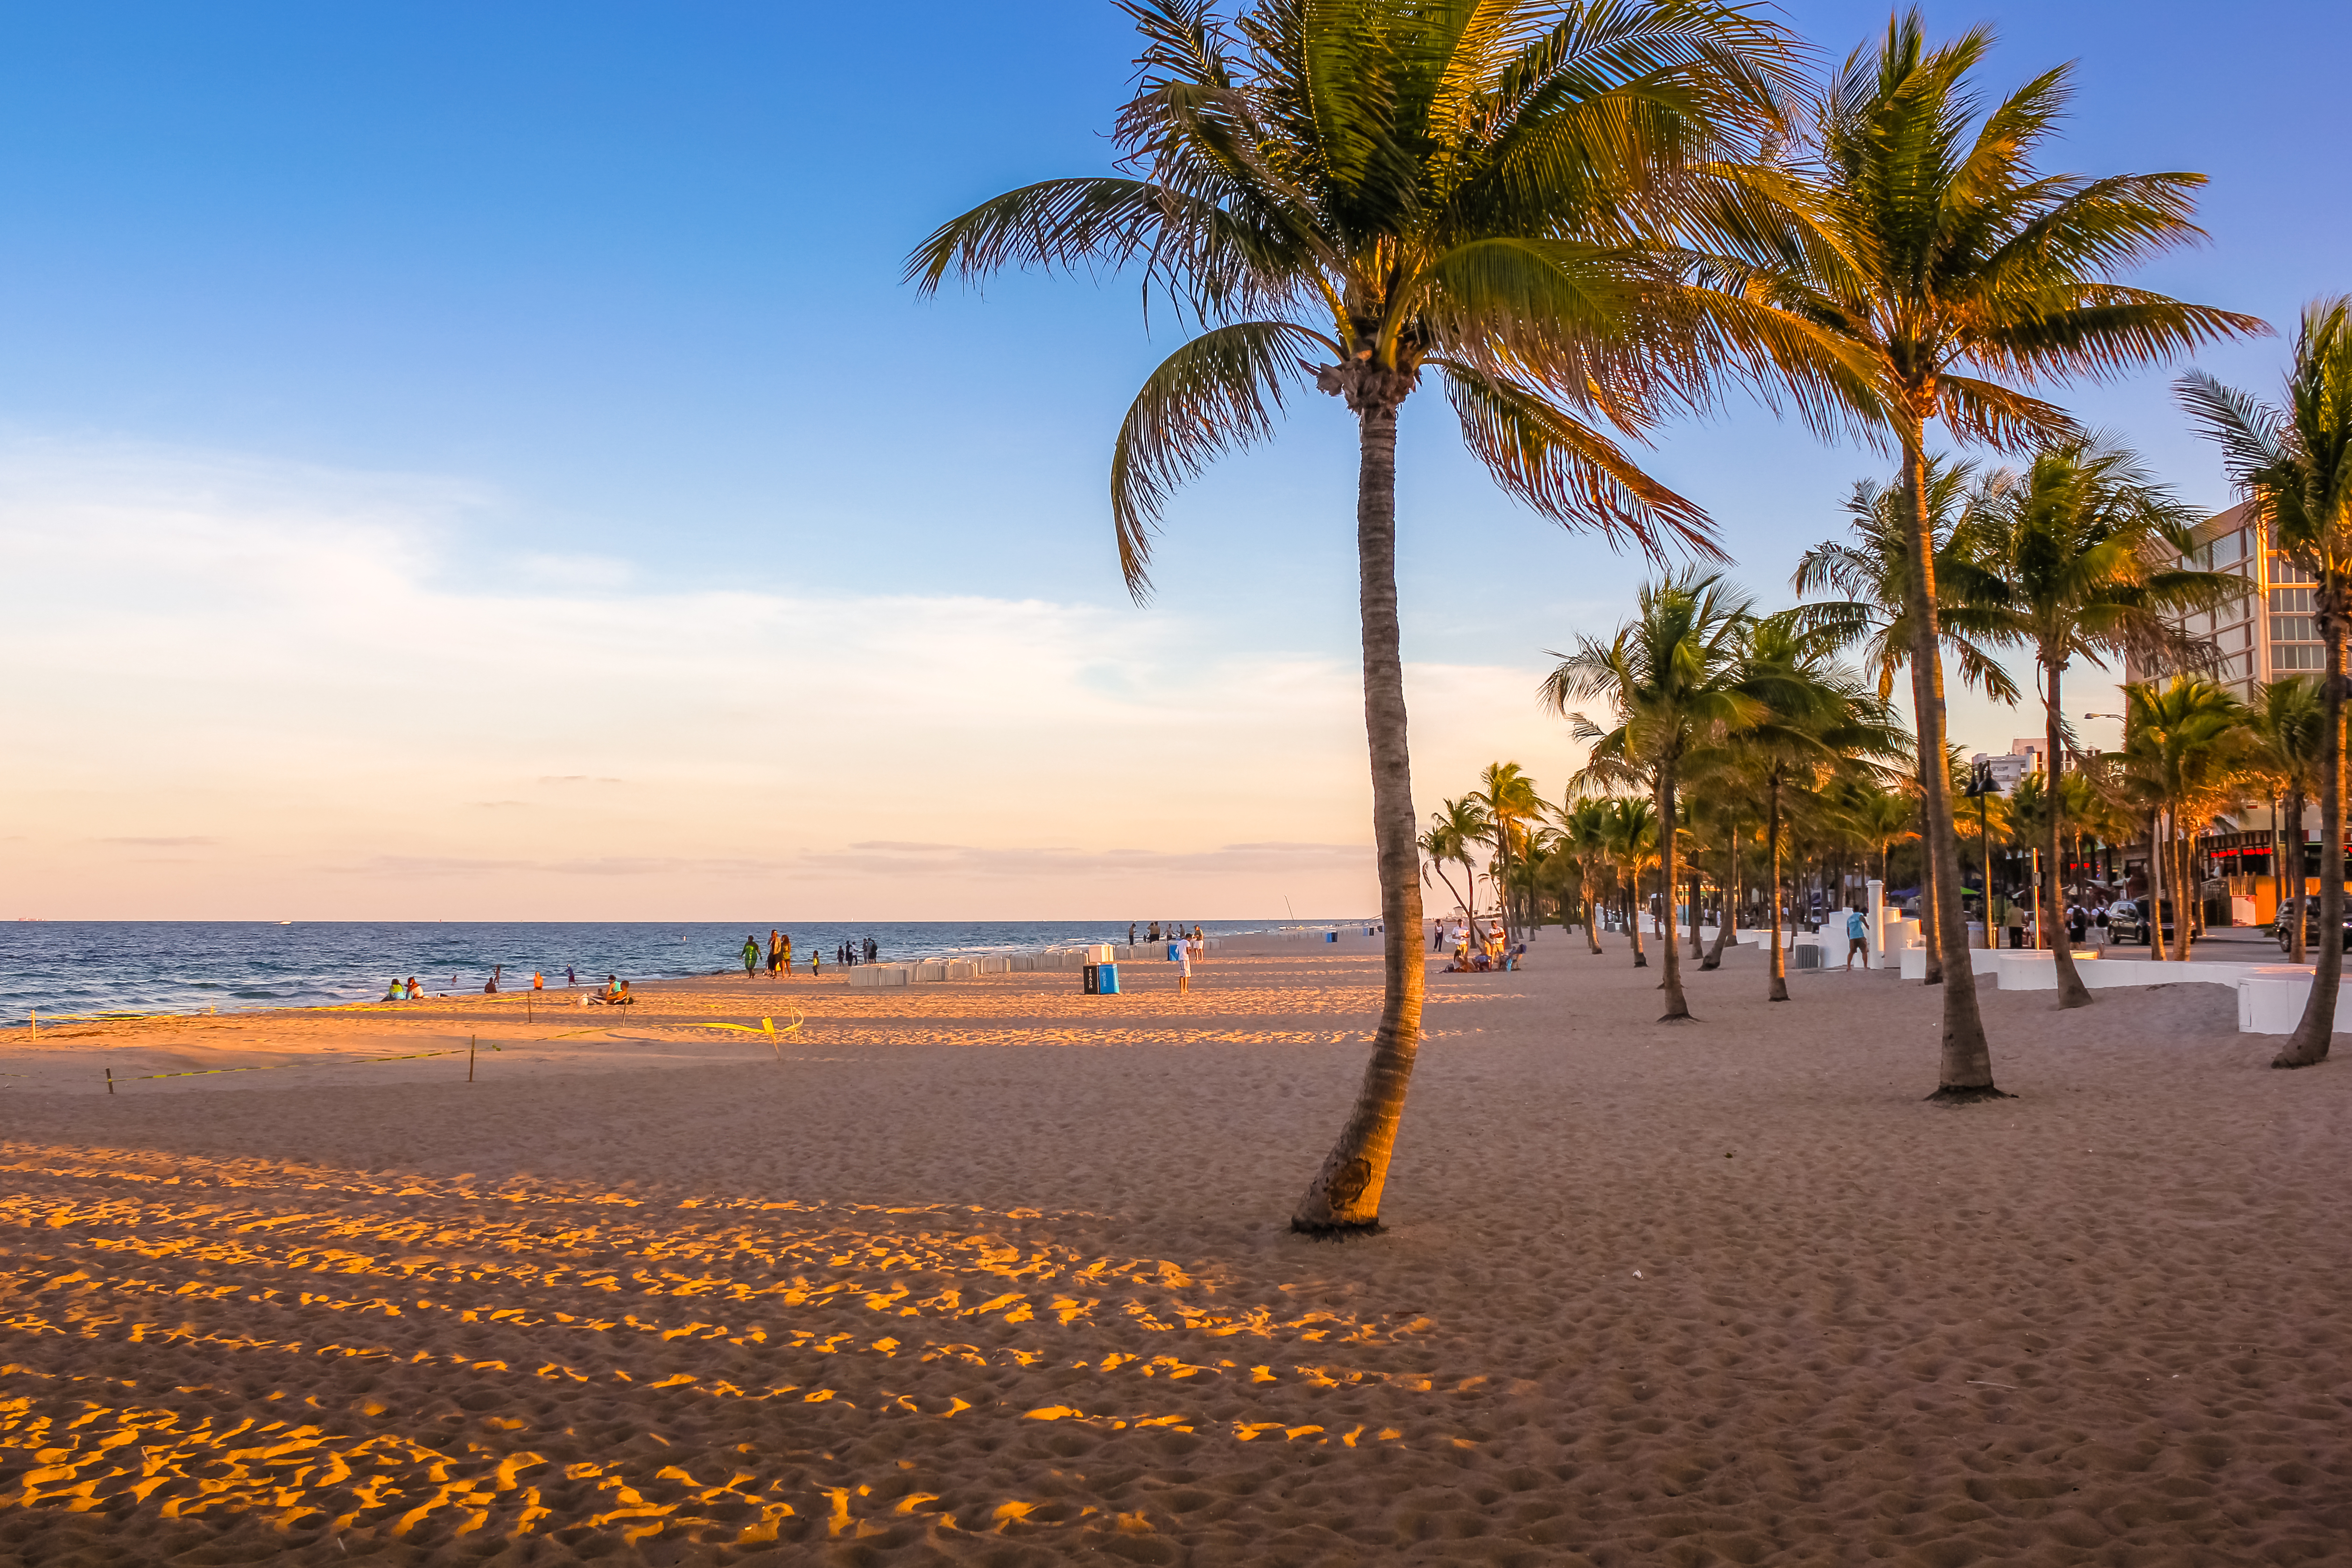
<point x="1723" y="927"/>
<point x="2295" y="854"/>
<point x="1676" y="1007"/>
<point x="2307" y="1047"/>
<point x="2183" y="883"/>
<point x="1634" y="916"/>
<point x="1778" y="991"/>
<point x="1965" y="1069"/>
<point x="2157" y="874"/>
<point x="1928" y="926"/>
<point x="2072" y="992"/>
<point x="1698" y="890"/>
<point x="1592" y="916"/>
<point x="1345" y="1195"/>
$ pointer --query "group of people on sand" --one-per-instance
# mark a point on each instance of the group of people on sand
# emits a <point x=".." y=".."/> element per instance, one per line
<point x="848" y="954"/>
<point x="1175" y="933"/>
<point x="1476" y="952"/>
<point x="408" y="990"/>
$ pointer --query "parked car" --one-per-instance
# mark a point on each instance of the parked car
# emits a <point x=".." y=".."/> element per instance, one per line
<point x="2128" y="922"/>
<point x="2283" y="932"/>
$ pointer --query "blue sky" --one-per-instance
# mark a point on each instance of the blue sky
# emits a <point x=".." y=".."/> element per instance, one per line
<point x="588" y="304"/>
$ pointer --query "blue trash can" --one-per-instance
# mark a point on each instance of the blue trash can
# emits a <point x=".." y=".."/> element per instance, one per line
<point x="1101" y="979"/>
<point x="1330" y="937"/>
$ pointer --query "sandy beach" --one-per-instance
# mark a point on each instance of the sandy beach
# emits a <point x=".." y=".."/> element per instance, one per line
<point x="994" y="1272"/>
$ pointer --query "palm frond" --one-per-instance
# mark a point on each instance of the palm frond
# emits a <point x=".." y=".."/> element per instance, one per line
<point x="1217" y="394"/>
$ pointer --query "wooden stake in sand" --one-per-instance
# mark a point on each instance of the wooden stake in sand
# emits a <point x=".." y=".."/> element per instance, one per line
<point x="469" y="1058"/>
<point x="109" y="1081"/>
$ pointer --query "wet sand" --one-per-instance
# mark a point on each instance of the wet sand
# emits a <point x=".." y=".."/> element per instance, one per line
<point x="993" y="1273"/>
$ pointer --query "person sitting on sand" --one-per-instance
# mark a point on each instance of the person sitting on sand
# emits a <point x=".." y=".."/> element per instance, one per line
<point x="612" y="988"/>
<point x="491" y="988"/>
<point x="538" y="981"/>
<point x="621" y="997"/>
<point x="415" y="992"/>
<point x="396" y="992"/>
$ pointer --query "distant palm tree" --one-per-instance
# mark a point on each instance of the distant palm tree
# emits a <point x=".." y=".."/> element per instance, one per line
<point x="1813" y="721"/>
<point x="1633" y="840"/>
<point x="1936" y="268"/>
<point x="1871" y="570"/>
<point x="2289" y="725"/>
<point x="2073" y="542"/>
<point x="1584" y="832"/>
<point x="1501" y="192"/>
<point x="1452" y="829"/>
<point x="1510" y="798"/>
<point x="2186" y="756"/>
<point x="2293" y="464"/>
<point x="1669" y="676"/>
<point x="1880" y="818"/>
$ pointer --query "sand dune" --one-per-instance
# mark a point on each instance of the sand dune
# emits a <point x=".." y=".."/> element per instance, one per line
<point x="918" y="1282"/>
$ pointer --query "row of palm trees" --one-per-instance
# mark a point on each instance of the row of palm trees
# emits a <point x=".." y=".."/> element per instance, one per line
<point x="1583" y="218"/>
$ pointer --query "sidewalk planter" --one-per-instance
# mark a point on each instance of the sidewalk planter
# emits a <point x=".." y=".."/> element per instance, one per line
<point x="1914" y="962"/>
<point x="2272" y="1003"/>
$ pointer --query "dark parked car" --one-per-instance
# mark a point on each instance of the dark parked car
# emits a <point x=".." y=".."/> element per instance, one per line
<point x="2282" y="929"/>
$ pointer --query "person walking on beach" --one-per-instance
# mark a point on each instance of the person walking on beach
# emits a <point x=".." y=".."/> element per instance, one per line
<point x="1130" y="932"/>
<point x="1857" y="939"/>
<point x="750" y="955"/>
<point x="775" y="952"/>
<point x="815" y="958"/>
<point x="1179" y="953"/>
<point x="570" y="978"/>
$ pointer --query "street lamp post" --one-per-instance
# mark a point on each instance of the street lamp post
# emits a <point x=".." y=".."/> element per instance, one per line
<point x="1981" y="784"/>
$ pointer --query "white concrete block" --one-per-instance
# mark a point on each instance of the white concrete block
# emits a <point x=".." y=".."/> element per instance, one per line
<point x="1915" y="963"/>
<point x="932" y="969"/>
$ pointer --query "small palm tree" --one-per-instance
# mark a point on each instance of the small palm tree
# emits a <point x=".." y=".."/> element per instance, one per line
<point x="2072" y="543"/>
<point x="1510" y="799"/>
<point x="1871" y="570"/>
<point x="1813" y="722"/>
<point x="1669" y="676"/>
<point x="1936" y="269"/>
<point x="1495" y="192"/>
<point x="1633" y="840"/>
<point x="1880" y="818"/>
<point x="1453" y="830"/>
<point x="2187" y="756"/>
<point x="2293" y="464"/>
<point x="2289" y="727"/>
<point x="1584" y="832"/>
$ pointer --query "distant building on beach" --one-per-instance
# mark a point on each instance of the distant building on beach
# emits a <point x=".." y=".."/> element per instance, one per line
<point x="2264" y="634"/>
<point x="2010" y="767"/>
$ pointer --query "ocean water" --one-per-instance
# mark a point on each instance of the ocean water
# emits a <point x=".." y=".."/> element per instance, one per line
<point x="164" y="966"/>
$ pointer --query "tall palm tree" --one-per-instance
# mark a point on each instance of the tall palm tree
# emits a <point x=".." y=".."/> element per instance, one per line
<point x="2187" y="755"/>
<point x="2073" y="541"/>
<point x="1938" y="269"/>
<point x="1492" y="190"/>
<point x="1669" y="676"/>
<point x="2289" y="727"/>
<point x="1871" y="570"/>
<point x="2293" y="464"/>
<point x="1510" y="798"/>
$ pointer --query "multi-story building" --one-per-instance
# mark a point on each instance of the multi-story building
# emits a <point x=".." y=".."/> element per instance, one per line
<point x="2010" y="767"/>
<point x="2260" y="636"/>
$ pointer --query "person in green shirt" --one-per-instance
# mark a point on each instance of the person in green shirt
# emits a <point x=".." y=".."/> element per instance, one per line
<point x="750" y="955"/>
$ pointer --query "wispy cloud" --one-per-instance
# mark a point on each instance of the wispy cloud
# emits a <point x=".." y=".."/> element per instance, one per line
<point x="298" y="658"/>
<point x="160" y="843"/>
